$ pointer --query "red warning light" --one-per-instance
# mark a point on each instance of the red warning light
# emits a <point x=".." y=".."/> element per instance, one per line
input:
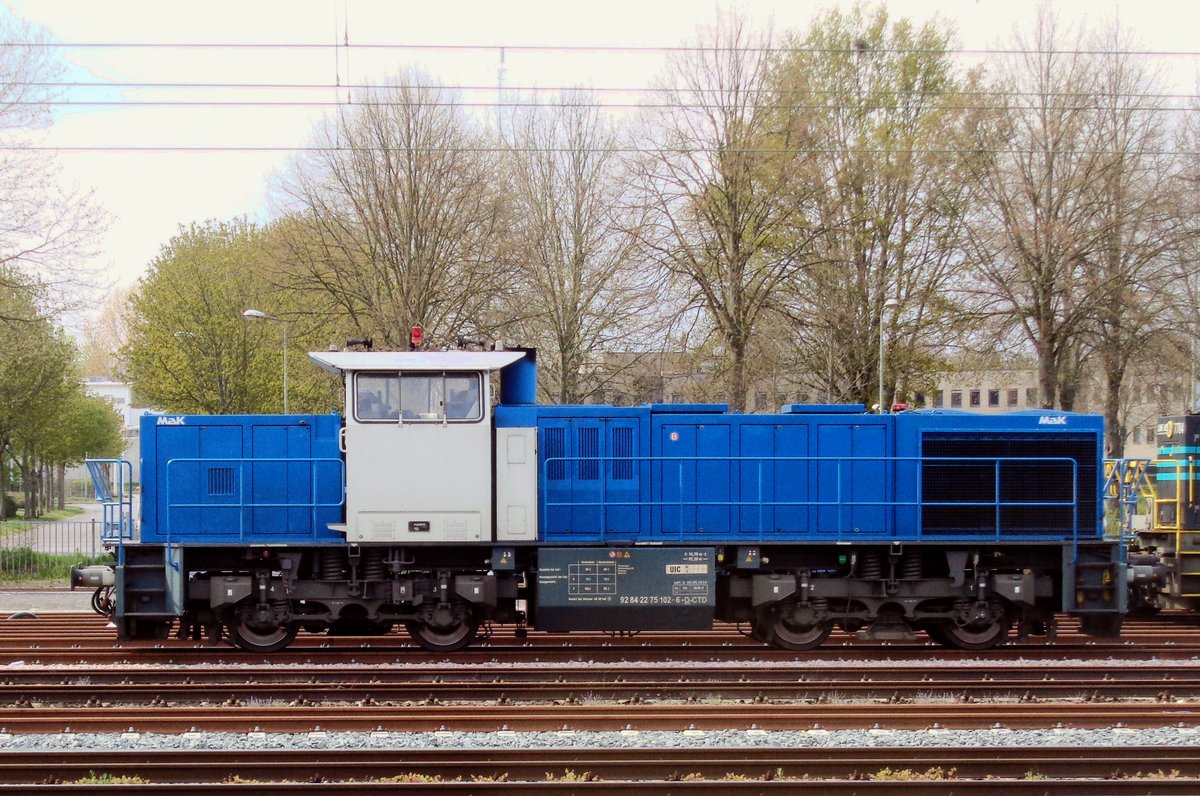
<point x="416" y="337"/>
<point x="900" y="407"/>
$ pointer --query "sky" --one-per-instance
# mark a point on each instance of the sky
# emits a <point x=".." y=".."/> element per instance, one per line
<point x="149" y="194"/>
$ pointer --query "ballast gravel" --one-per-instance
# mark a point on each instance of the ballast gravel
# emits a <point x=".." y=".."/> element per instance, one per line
<point x="716" y="739"/>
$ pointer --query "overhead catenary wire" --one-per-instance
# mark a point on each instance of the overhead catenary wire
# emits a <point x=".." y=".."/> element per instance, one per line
<point x="666" y="150"/>
<point x="384" y="86"/>
<point x="560" y="104"/>
<point x="593" y="48"/>
<point x="526" y="96"/>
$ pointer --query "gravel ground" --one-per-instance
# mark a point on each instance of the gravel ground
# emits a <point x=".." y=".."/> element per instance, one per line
<point x="40" y="601"/>
<point x="1164" y="736"/>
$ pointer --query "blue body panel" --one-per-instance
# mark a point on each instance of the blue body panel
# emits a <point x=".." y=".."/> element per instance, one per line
<point x="770" y="477"/>
<point x="1044" y="466"/>
<point x="661" y="474"/>
<point x="248" y="479"/>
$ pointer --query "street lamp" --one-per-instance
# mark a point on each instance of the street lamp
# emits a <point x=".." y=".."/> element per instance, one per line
<point x="263" y="316"/>
<point x="890" y="304"/>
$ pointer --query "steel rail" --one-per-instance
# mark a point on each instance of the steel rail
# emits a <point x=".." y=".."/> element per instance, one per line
<point x="599" y="716"/>
<point x="334" y="687"/>
<point x="663" y="764"/>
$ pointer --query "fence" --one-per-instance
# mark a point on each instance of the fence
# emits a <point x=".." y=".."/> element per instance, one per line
<point x="46" y="550"/>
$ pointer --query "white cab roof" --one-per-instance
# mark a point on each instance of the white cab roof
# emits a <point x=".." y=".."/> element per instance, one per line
<point x="343" y="361"/>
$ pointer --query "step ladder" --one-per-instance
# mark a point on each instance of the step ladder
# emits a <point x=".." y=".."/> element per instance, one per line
<point x="113" y="482"/>
<point x="1125" y="482"/>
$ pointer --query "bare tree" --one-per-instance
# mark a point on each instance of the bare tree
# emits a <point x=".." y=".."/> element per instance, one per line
<point x="580" y="288"/>
<point x="1139" y="222"/>
<point x="1036" y="227"/>
<point x="398" y="219"/>
<point x="47" y="230"/>
<point x="721" y="186"/>
<point x="106" y="332"/>
<point x="1180" y="308"/>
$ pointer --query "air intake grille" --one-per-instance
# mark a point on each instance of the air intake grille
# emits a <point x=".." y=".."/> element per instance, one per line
<point x="589" y="449"/>
<point x="220" y="481"/>
<point x="622" y="446"/>
<point x="1017" y="478"/>
<point x="555" y="448"/>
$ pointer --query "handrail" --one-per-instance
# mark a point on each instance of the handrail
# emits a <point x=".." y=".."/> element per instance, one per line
<point x="117" y="509"/>
<point x="1159" y="466"/>
<point x="839" y="501"/>
<point x="1125" y="481"/>
<point x="240" y="462"/>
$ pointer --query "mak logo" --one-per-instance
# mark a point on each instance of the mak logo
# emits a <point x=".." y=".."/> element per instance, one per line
<point x="1059" y="420"/>
<point x="170" y="421"/>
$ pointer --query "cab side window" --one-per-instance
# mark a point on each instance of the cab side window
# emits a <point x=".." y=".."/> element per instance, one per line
<point x="376" y="397"/>
<point x="462" y="397"/>
<point x="416" y="397"/>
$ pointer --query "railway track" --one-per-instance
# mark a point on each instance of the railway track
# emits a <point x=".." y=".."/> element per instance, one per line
<point x="224" y="690"/>
<point x="64" y="675"/>
<point x="306" y="718"/>
<point x="1099" y="770"/>
<point x="436" y="684"/>
<point x="67" y="638"/>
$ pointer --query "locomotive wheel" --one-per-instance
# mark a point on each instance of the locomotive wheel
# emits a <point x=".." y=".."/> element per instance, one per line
<point x="975" y="636"/>
<point x="444" y="638"/>
<point x="773" y="629"/>
<point x="254" y="637"/>
<point x="253" y="640"/>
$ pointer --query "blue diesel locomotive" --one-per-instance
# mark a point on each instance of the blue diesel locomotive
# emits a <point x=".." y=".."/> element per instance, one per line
<point x="427" y="504"/>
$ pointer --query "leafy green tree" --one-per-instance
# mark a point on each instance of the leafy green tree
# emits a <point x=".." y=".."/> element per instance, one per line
<point x="880" y="100"/>
<point x="88" y="427"/>
<point x="37" y="375"/>
<point x="191" y="349"/>
<point x="17" y="312"/>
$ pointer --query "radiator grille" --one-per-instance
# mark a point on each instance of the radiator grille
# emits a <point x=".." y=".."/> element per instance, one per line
<point x="1012" y="482"/>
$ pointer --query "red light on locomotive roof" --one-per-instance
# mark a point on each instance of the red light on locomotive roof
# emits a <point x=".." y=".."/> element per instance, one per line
<point x="416" y="337"/>
<point x="900" y="407"/>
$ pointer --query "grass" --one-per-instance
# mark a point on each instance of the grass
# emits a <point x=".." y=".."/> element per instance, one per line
<point x="17" y="524"/>
<point x="24" y="565"/>
<point x="110" y="779"/>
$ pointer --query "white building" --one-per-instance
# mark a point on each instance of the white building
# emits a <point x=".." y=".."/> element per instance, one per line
<point x="120" y="395"/>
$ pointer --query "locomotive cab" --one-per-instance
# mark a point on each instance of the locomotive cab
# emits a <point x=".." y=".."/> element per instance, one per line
<point x="417" y="442"/>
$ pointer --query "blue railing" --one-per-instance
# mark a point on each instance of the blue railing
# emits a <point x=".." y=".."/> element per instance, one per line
<point x="113" y="482"/>
<point x="843" y="504"/>
<point x="241" y="489"/>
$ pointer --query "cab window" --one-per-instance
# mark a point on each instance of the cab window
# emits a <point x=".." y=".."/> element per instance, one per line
<point x="416" y="397"/>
